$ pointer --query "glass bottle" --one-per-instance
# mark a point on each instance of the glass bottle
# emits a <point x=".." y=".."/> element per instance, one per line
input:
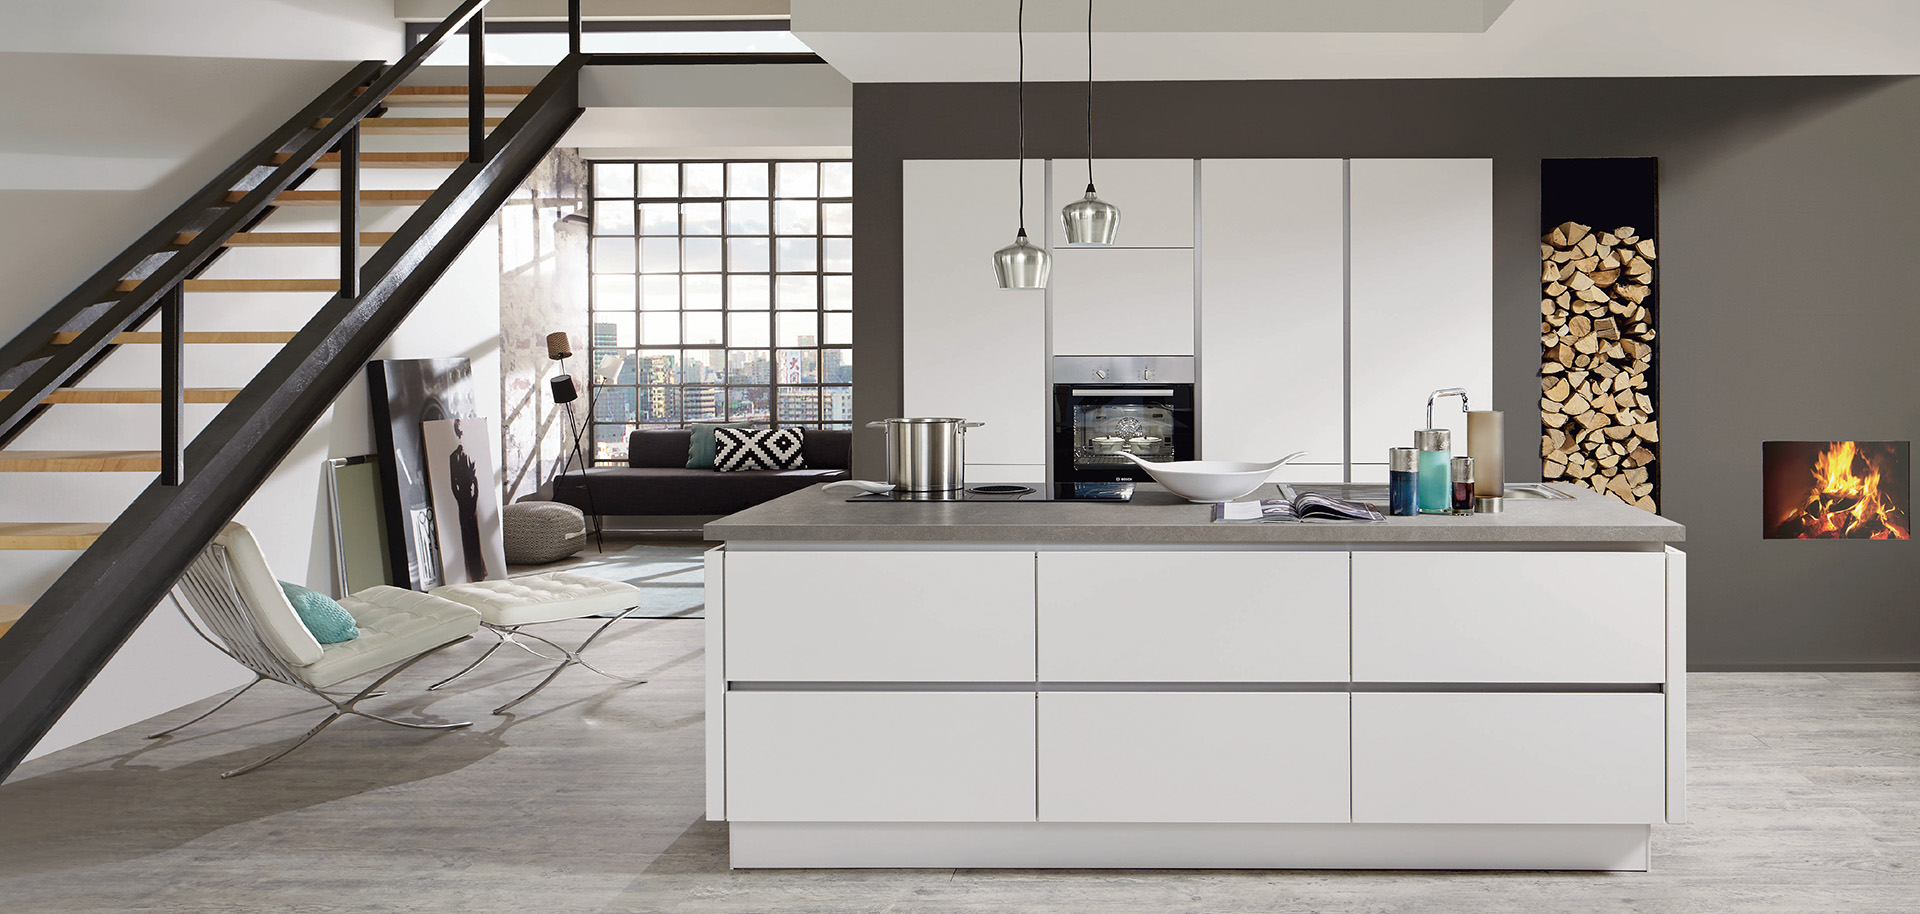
<point x="1436" y="469"/>
<point x="1463" y="485"/>
<point x="1403" y="486"/>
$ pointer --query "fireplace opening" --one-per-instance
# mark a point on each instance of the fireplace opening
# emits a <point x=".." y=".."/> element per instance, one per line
<point x="1819" y="490"/>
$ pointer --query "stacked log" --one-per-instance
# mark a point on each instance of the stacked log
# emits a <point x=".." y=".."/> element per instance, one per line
<point x="1598" y="426"/>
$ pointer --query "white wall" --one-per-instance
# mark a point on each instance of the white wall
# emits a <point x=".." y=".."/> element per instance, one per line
<point x="278" y="29"/>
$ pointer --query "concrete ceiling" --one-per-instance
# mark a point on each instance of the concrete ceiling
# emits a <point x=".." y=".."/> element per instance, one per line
<point x="943" y="41"/>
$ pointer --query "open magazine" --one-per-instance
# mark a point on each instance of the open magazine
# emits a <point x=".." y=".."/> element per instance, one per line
<point x="1306" y="507"/>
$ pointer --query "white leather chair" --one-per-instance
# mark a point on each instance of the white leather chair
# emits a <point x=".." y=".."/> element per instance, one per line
<point x="506" y="606"/>
<point x="236" y="597"/>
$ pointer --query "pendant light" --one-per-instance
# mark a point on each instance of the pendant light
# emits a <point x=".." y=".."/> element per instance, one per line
<point x="1020" y="265"/>
<point x="1090" y="220"/>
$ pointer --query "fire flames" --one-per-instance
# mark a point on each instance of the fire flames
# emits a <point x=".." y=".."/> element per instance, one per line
<point x="1847" y="500"/>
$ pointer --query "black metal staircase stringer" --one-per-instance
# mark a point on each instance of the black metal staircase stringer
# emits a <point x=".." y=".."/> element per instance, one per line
<point x="70" y="633"/>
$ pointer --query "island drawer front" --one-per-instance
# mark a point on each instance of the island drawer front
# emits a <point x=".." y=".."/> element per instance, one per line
<point x="1509" y="758"/>
<point x="1193" y="616"/>
<point x="879" y="616"/>
<point x="1194" y="757"/>
<point x="880" y="756"/>
<point x="1595" y="617"/>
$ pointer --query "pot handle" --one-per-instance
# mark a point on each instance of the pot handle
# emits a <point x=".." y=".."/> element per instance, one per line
<point x="877" y="423"/>
<point x="971" y="424"/>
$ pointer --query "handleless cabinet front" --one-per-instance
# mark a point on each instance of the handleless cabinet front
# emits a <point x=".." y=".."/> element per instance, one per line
<point x="1193" y="617"/>
<point x="880" y="756"/>
<point x="1122" y="301"/>
<point x="846" y="616"/>
<point x="1493" y="617"/>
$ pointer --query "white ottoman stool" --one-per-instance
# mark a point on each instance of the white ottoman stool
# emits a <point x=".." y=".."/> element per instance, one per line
<point x="506" y="606"/>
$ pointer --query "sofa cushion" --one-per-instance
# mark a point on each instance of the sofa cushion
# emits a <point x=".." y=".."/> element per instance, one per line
<point x="667" y="447"/>
<point x="741" y="449"/>
<point x="670" y="490"/>
<point x="702" y="449"/>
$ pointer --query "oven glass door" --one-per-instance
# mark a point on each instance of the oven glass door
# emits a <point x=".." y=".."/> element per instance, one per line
<point x="1095" y="424"/>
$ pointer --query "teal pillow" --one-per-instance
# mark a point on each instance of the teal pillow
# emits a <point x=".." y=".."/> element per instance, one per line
<point x="700" y="452"/>
<point x="322" y="615"/>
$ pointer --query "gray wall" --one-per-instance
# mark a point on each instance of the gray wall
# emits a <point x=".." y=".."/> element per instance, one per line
<point x="1790" y="210"/>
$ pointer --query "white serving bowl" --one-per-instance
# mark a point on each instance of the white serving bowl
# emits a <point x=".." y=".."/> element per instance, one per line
<point x="1211" y="481"/>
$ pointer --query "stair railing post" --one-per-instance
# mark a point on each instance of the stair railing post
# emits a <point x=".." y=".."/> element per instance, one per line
<point x="350" y="213"/>
<point x="477" y="87"/>
<point x="172" y="386"/>
<point x="573" y="26"/>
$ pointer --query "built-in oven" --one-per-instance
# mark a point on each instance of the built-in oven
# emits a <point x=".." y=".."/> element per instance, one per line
<point x="1107" y="407"/>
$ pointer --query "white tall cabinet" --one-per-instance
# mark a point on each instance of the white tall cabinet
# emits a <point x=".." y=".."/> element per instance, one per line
<point x="969" y="348"/>
<point x="1135" y="297"/>
<point x="1422" y="299"/>
<point x="1271" y="328"/>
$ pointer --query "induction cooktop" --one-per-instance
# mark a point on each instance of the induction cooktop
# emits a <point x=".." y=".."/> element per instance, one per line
<point x="1038" y="491"/>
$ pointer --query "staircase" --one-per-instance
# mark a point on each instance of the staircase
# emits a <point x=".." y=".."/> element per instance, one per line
<point x="180" y="275"/>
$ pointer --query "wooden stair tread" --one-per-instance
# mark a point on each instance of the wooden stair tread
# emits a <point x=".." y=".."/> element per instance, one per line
<point x="191" y="337"/>
<point x="248" y="285"/>
<point x="332" y="197"/>
<point x="79" y="461"/>
<point x="96" y="395"/>
<point x="450" y="95"/>
<point x="289" y="239"/>
<point x="9" y="614"/>
<point x="425" y="126"/>
<point x="387" y="159"/>
<point x="49" y="536"/>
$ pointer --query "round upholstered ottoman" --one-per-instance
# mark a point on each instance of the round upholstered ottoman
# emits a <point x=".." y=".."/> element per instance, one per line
<point x="538" y="532"/>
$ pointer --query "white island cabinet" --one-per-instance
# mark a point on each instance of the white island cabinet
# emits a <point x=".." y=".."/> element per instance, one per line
<point x="1080" y="685"/>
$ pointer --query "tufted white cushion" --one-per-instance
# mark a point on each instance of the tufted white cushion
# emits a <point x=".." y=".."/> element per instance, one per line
<point x="394" y="624"/>
<point x="547" y="597"/>
<point x="280" y="627"/>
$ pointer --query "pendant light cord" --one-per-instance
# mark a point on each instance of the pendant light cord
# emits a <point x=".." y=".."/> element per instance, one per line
<point x="1020" y="37"/>
<point x="1089" y="96"/>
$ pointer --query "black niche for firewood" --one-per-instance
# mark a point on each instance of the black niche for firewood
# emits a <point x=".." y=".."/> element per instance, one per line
<point x="1599" y="376"/>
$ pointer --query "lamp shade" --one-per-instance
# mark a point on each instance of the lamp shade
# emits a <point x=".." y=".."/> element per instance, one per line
<point x="1090" y="220"/>
<point x="1020" y="265"/>
<point x="563" y="389"/>
<point x="558" y="346"/>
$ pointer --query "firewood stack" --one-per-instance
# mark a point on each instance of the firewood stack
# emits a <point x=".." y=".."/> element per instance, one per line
<point x="1596" y="335"/>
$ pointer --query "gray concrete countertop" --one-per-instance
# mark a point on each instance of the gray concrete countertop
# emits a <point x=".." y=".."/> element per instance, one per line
<point x="1158" y="517"/>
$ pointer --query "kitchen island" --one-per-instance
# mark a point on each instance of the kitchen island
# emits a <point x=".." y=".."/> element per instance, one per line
<point x="1068" y="684"/>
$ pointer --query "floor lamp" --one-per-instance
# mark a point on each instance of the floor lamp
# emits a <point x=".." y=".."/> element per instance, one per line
<point x="565" y="392"/>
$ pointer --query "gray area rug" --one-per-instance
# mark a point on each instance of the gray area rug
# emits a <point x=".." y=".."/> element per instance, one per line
<point x="671" y="576"/>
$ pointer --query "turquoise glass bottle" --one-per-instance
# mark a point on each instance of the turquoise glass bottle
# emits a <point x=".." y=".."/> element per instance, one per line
<point x="1436" y="469"/>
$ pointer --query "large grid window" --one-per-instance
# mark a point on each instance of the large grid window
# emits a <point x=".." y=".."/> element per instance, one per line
<point x="721" y="291"/>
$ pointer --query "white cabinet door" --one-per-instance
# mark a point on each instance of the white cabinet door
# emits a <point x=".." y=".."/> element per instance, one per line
<point x="1193" y="757"/>
<point x="1155" y="197"/>
<point x="879" y="616"/>
<point x="880" y="756"/>
<point x="1508" y="758"/>
<point x="1422" y="297"/>
<point x="1272" y="306"/>
<point x="1120" y="301"/>
<point x="1193" y="616"/>
<point x="1509" y="617"/>
<point x="968" y="347"/>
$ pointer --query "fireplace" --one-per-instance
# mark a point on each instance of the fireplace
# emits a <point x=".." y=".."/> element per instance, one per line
<point x="1838" y="490"/>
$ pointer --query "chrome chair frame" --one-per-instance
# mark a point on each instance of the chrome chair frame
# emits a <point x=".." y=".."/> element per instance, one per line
<point x="511" y="634"/>
<point x="209" y="587"/>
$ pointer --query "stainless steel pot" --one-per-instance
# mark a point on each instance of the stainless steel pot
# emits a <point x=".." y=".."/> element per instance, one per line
<point x="926" y="455"/>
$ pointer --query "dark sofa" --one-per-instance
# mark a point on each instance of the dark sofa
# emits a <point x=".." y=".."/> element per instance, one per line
<point x="656" y="480"/>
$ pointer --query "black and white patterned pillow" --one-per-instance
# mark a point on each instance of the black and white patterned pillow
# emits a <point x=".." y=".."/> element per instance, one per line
<point x="758" y="449"/>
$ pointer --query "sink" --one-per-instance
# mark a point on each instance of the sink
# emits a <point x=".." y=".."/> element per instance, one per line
<point x="1377" y="492"/>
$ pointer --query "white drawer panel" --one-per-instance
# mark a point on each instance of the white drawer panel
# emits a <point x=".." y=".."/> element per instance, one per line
<point x="1509" y="617"/>
<point x="880" y="756"/>
<point x="1193" y="616"/>
<point x="879" y="616"/>
<point x="1193" y="757"/>
<point x="1509" y="758"/>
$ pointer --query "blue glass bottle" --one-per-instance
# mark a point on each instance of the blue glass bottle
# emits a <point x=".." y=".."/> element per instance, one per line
<point x="1403" y="486"/>
<point x="1436" y="470"/>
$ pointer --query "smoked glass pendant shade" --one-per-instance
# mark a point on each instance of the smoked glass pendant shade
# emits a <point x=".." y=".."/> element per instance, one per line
<point x="1021" y="265"/>
<point x="1090" y="220"/>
